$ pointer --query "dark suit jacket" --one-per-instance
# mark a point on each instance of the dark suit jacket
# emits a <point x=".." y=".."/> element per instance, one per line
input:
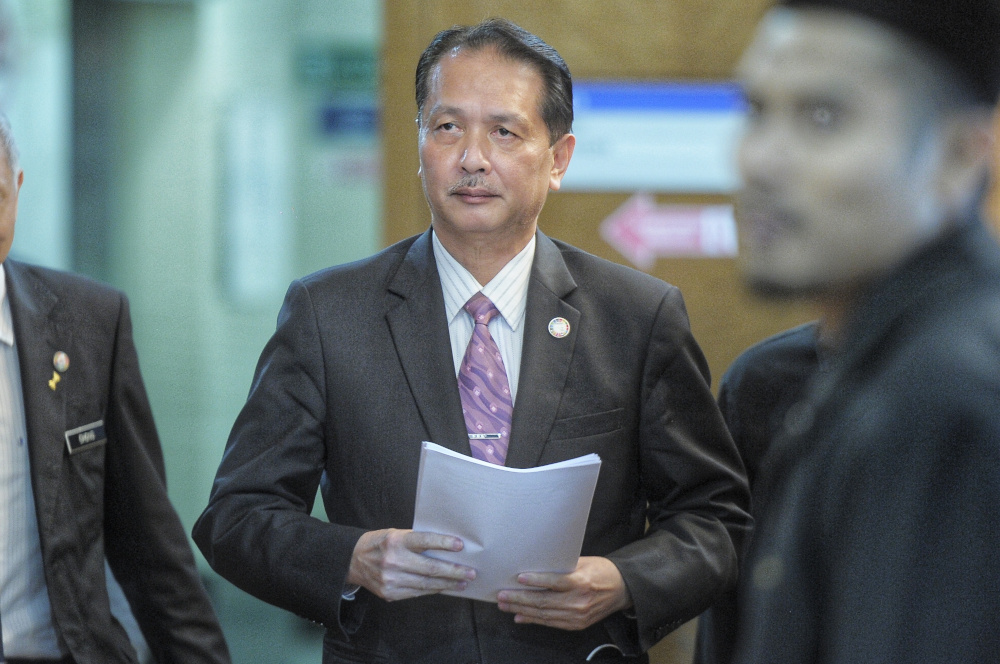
<point x="754" y="395"/>
<point x="108" y="500"/>
<point x="879" y="541"/>
<point x="360" y="371"/>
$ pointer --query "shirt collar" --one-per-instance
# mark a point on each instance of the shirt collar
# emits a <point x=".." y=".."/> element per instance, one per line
<point x="6" y="320"/>
<point x="508" y="290"/>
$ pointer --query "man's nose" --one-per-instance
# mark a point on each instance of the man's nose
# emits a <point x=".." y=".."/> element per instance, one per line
<point x="476" y="153"/>
<point x="765" y="154"/>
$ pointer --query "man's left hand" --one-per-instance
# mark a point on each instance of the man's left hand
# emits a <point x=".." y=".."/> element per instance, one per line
<point x="574" y="601"/>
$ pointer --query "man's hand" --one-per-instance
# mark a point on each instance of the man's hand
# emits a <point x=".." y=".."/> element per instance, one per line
<point x="591" y="592"/>
<point x="389" y="563"/>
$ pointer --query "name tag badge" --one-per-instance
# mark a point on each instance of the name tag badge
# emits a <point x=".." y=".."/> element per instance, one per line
<point x="86" y="437"/>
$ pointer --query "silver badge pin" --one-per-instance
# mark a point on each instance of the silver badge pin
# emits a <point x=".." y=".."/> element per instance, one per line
<point x="558" y="327"/>
<point x="60" y="361"/>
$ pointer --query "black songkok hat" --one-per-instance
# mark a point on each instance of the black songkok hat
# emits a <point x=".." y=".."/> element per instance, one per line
<point x="966" y="33"/>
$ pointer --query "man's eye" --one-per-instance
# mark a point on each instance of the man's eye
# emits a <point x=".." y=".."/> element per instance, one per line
<point x="503" y="131"/>
<point x="822" y="116"/>
<point x="447" y="126"/>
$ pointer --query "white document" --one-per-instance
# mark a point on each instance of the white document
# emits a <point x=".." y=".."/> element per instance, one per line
<point x="511" y="520"/>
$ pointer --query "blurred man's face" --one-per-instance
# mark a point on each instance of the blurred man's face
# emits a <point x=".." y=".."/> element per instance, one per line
<point x="10" y="186"/>
<point x="837" y="186"/>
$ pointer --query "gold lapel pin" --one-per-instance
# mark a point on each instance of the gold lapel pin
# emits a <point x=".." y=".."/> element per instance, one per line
<point x="54" y="381"/>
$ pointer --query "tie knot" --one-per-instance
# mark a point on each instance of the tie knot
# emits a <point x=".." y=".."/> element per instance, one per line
<point x="482" y="309"/>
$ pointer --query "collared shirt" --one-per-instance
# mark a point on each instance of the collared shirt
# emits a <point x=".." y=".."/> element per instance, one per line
<point x="508" y="291"/>
<point x="24" y="597"/>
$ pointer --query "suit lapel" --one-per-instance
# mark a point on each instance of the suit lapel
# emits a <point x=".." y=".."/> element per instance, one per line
<point x="545" y="359"/>
<point x="37" y="336"/>
<point x="419" y="328"/>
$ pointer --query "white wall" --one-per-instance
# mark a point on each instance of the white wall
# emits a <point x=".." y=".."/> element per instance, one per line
<point x="35" y="92"/>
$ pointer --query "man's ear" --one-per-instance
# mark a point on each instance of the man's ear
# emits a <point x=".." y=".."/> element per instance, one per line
<point x="420" y="137"/>
<point x="970" y="147"/>
<point x="562" y="152"/>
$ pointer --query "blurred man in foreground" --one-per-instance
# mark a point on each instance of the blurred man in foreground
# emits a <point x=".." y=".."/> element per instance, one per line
<point x="864" y="164"/>
<point x="755" y="394"/>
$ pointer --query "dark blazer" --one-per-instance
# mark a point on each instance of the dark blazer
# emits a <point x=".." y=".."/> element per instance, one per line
<point x="754" y="395"/>
<point x="360" y="371"/>
<point x="105" y="500"/>
<point x="879" y="540"/>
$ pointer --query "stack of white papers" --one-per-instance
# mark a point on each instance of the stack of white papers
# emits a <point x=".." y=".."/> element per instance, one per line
<point x="511" y="520"/>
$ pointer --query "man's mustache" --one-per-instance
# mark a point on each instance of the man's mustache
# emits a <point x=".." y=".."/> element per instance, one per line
<point x="471" y="182"/>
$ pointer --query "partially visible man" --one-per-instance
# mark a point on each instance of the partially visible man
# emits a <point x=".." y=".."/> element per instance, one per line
<point x="569" y="354"/>
<point x="864" y="163"/>
<point x="82" y="477"/>
<point x="755" y="395"/>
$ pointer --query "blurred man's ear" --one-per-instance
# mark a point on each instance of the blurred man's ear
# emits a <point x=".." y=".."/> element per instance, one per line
<point x="970" y="144"/>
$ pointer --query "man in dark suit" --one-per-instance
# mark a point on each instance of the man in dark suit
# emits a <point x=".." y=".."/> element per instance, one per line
<point x="864" y="163"/>
<point x="593" y="357"/>
<point x="82" y="477"/>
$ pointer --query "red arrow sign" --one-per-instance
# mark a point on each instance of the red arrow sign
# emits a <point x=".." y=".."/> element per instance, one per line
<point x="643" y="231"/>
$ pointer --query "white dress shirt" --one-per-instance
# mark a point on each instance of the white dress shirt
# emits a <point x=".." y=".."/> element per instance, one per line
<point x="508" y="291"/>
<point x="24" y="597"/>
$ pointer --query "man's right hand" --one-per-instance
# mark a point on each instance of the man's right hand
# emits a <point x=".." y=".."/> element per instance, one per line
<point x="390" y="564"/>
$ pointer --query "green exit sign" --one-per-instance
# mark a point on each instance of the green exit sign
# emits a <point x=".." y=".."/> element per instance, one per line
<point x="339" y="69"/>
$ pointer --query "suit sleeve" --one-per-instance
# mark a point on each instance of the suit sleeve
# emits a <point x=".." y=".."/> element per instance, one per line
<point x="145" y="543"/>
<point x="257" y="531"/>
<point x="694" y="482"/>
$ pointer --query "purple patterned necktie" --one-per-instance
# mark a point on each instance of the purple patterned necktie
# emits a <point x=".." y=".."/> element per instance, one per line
<point x="482" y="382"/>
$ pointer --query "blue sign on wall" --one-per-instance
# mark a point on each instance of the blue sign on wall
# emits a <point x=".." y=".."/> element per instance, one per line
<point x="655" y="136"/>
